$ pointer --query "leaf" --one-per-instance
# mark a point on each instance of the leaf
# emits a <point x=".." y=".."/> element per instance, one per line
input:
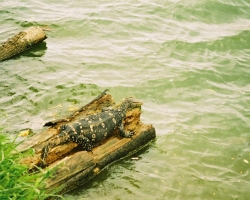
<point x="24" y="133"/>
<point x="246" y="161"/>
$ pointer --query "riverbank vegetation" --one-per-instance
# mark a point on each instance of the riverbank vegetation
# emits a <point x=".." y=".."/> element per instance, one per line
<point x="15" y="180"/>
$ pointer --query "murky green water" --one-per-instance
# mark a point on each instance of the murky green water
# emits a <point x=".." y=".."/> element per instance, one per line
<point x="188" y="61"/>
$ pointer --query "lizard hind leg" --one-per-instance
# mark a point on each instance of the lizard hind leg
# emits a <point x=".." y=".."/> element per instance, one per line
<point x="44" y="155"/>
<point x="84" y="142"/>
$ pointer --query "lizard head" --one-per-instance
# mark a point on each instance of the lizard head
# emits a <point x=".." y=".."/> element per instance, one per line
<point x="130" y="103"/>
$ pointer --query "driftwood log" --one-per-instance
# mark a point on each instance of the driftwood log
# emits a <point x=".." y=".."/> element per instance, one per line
<point x="75" y="167"/>
<point x="21" y="42"/>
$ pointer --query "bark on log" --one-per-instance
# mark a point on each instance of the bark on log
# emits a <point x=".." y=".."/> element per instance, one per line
<point x="75" y="167"/>
<point x="22" y="41"/>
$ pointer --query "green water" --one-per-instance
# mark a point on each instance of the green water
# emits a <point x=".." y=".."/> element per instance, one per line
<point x="187" y="61"/>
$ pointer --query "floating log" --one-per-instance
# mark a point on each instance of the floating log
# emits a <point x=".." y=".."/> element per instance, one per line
<point x="73" y="166"/>
<point x="21" y="42"/>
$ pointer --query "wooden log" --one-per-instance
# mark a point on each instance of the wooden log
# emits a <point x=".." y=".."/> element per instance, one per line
<point x="23" y="41"/>
<point x="75" y="167"/>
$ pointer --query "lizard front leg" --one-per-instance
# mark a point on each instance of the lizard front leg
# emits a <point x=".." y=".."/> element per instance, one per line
<point x="123" y="133"/>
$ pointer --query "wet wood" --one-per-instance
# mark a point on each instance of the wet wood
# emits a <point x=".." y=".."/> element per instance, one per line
<point x="21" y="42"/>
<point x="75" y="167"/>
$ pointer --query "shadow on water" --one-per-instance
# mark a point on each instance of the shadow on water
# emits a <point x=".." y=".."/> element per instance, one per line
<point x="36" y="51"/>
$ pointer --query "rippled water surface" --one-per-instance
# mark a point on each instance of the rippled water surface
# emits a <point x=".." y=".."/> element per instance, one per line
<point x="188" y="61"/>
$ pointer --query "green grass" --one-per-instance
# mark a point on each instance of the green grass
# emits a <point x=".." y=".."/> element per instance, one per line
<point x="15" y="180"/>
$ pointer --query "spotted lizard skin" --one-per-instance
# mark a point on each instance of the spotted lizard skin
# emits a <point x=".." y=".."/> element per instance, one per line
<point x="90" y="131"/>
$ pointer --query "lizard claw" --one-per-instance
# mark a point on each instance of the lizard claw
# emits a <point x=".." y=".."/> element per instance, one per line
<point x="43" y="164"/>
<point x="130" y="134"/>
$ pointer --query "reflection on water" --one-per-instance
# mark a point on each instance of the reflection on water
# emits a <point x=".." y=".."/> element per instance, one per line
<point x="186" y="61"/>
